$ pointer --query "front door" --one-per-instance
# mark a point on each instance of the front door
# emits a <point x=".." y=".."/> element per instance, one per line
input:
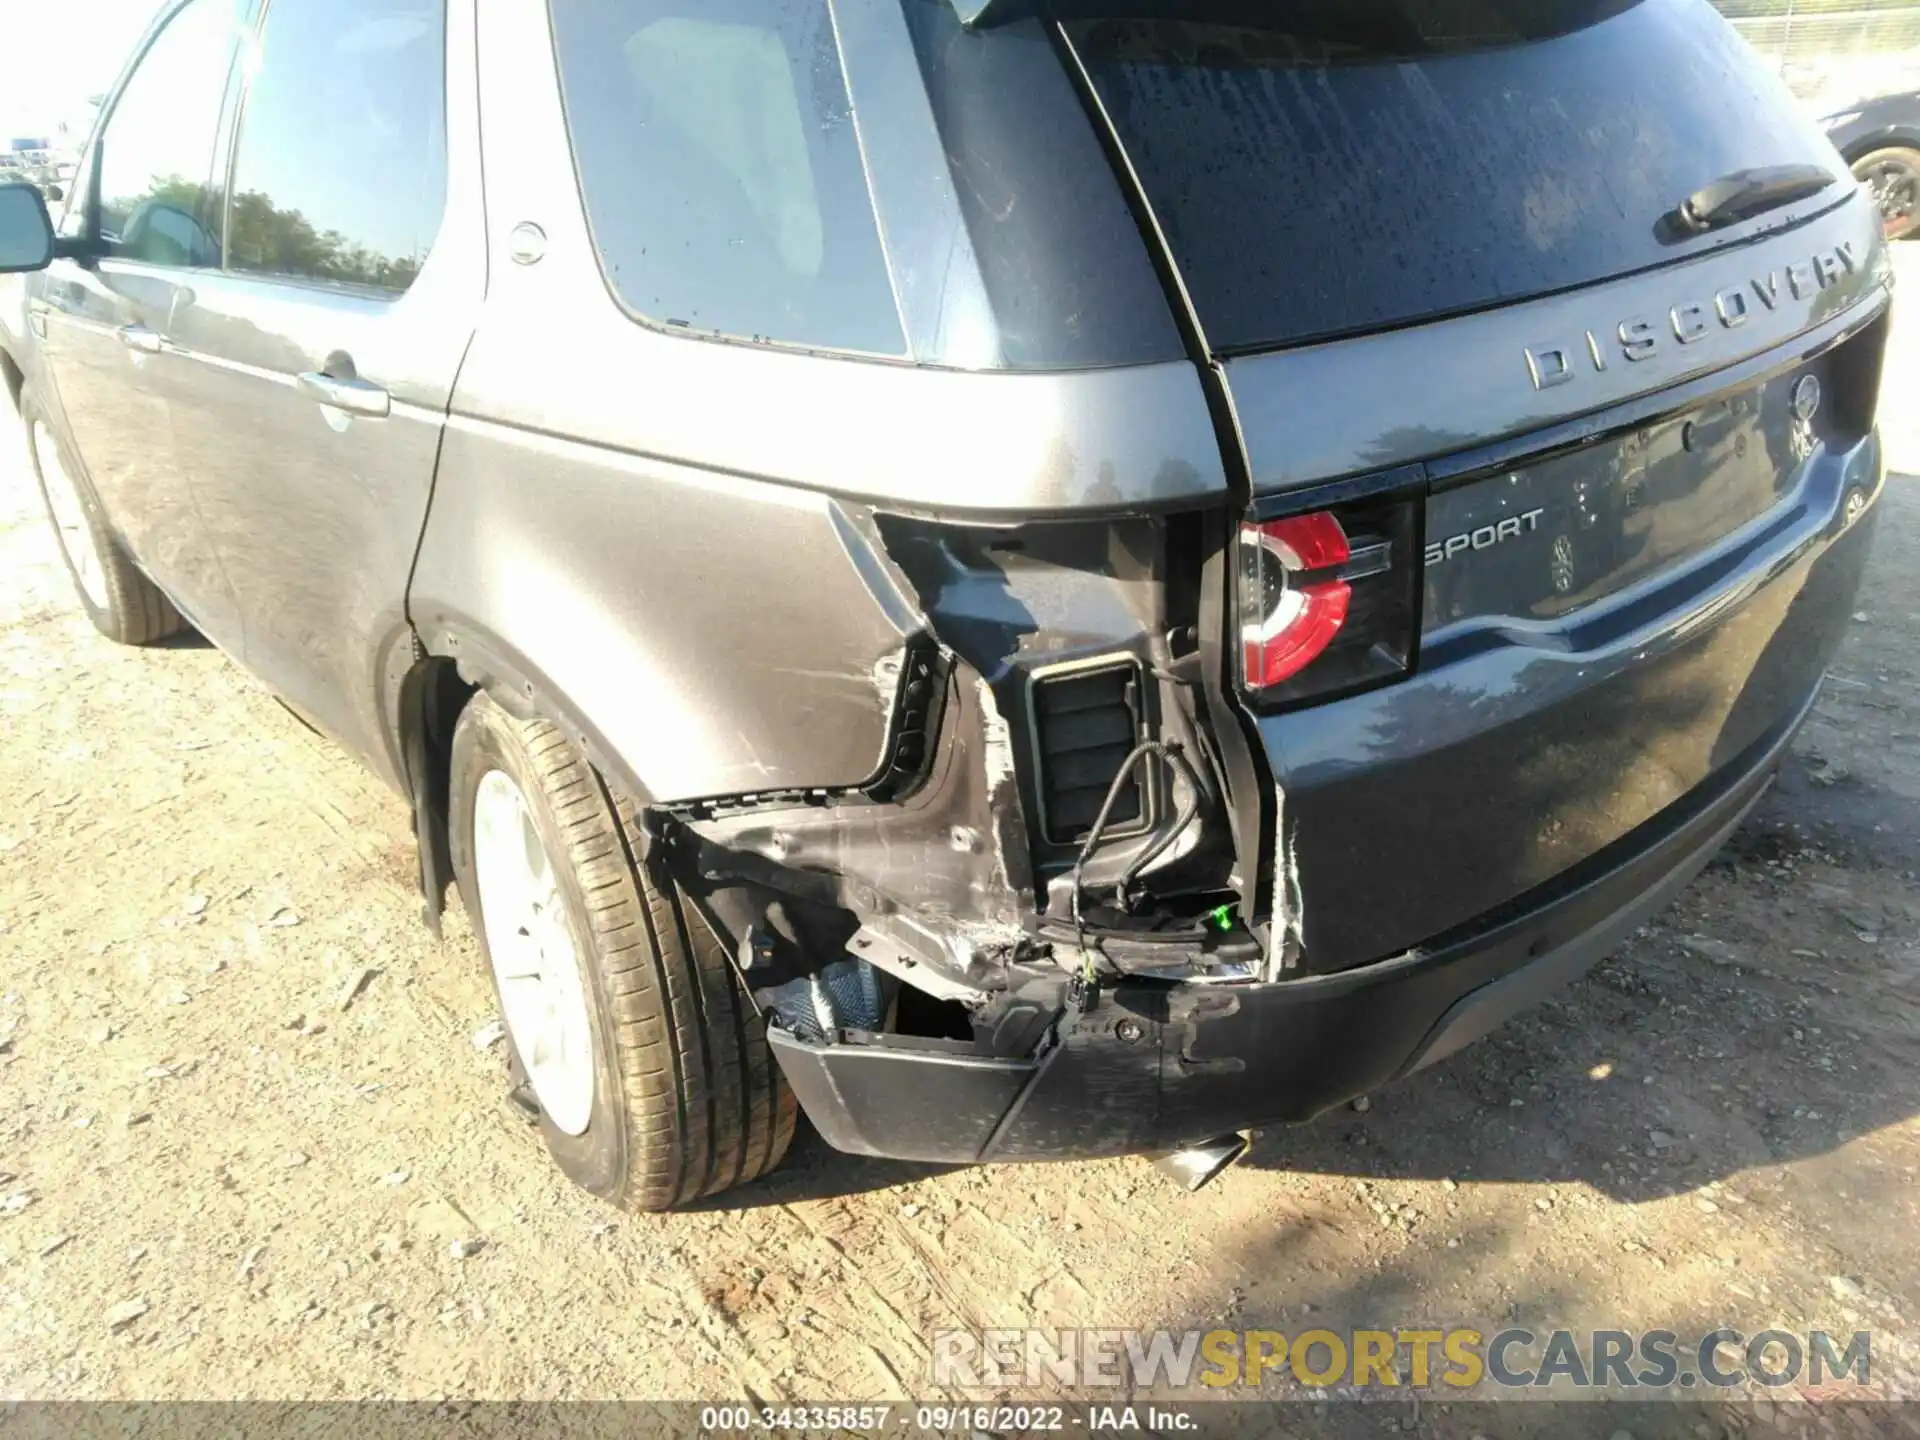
<point x="316" y="368"/>
<point x="144" y="202"/>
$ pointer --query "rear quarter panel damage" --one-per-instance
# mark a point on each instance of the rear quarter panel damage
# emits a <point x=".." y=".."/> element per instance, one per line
<point x="939" y="878"/>
<point x="713" y="635"/>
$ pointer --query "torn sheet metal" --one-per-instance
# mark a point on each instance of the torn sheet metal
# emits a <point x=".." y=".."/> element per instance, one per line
<point x="1286" y="931"/>
<point x="942" y="873"/>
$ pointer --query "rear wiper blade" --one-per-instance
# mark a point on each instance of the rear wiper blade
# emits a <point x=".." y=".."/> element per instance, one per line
<point x="1747" y="193"/>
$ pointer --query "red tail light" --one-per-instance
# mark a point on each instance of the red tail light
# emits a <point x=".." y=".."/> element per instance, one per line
<point x="1293" y="602"/>
<point x="1329" y="599"/>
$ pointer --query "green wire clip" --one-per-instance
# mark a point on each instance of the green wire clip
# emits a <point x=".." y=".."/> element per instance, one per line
<point x="1222" y="918"/>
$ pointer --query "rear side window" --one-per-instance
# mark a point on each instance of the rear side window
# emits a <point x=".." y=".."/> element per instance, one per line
<point x="717" y="155"/>
<point x="1360" y="164"/>
<point x="154" y="157"/>
<point x="340" y="176"/>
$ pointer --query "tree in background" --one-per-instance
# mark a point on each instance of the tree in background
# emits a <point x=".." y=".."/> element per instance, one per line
<point x="177" y="221"/>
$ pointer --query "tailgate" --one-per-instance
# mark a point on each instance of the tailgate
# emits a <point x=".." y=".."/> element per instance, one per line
<point x="1459" y="249"/>
<point x="1525" y="372"/>
<point x="1634" y="587"/>
<point x="1618" y="607"/>
<point x="1539" y="539"/>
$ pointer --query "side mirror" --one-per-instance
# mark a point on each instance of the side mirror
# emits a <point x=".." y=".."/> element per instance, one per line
<point x="26" y="234"/>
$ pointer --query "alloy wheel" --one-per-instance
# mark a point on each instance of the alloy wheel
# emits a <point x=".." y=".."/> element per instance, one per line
<point x="536" y="962"/>
<point x="1895" y="186"/>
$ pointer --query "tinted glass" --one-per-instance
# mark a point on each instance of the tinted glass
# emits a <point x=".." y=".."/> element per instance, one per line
<point x="1061" y="259"/>
<point x="717" y="153"/>
<point x="155" y="154"/>
<point x="1378" y="162"/>
<point x="341" y="172"/>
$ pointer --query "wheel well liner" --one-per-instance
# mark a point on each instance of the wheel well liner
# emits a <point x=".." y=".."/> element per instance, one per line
<point x="449" y="665"/>
<point x="431" y="698"/>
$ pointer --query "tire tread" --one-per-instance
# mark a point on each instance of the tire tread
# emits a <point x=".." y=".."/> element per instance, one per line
<point x="138" y="611"/>
<point x="707" y="1108"/>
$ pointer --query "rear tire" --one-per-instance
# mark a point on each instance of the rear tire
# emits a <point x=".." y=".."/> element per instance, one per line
<point x="686" y="1099"/>
<point x="123" y="604"/>
<point x="1892" y="174"/>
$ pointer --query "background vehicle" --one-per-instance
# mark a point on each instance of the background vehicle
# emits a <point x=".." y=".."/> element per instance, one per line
<point x="1880" y="139"/>
<point x="1856" y="62"/>
<point x="1079" y="656"/>
<point x="1833" y="53"/>
<point x="33" y="160"/>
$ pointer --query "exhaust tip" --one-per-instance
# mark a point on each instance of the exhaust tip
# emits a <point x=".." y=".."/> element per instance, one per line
<point x="1195" y="1166"/>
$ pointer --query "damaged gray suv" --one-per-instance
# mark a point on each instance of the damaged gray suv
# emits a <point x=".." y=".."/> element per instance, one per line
<point x="1031" y="578"/>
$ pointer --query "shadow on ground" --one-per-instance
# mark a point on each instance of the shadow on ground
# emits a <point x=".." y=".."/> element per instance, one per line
<point x="186" y="638"/>
<point x="814" y="1170"/>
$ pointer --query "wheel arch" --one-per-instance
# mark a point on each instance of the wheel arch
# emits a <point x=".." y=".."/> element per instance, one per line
<point x="450" y="663"/>
<point x="1896" y="137"/>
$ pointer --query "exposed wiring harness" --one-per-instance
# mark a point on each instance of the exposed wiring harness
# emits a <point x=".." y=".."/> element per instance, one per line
<point x="1175" y="759"/>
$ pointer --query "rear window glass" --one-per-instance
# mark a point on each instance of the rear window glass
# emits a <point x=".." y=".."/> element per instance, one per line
<point x="717" y="154"/>
<point x="1373" y="163"/>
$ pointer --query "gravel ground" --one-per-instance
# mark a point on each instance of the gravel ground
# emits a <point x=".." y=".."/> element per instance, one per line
<point x="249" y="1147"/>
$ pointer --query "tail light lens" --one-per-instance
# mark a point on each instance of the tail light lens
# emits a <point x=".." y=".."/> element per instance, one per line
<point x="1294" y="596"/>
<point x="1329" y="599"/>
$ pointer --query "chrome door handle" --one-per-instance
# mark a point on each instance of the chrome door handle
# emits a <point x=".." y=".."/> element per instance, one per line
<point x="139" y="337"/>
<point x="356" y="397"/>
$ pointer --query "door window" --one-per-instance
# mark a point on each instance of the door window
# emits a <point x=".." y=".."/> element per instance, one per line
<point x="341" y="172"/>
<point x="154" y="157"/>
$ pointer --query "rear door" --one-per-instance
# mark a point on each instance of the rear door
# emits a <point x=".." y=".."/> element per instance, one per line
<point x="318" y="362"/>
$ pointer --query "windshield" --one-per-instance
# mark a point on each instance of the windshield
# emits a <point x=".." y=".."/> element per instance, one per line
<point x="1370" y="165"/>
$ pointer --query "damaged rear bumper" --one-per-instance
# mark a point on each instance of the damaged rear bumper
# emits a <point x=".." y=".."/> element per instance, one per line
<point x="1153" y="1066"/>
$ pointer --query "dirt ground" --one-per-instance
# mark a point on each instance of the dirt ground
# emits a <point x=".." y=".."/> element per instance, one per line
<point x="245" y="1127"/>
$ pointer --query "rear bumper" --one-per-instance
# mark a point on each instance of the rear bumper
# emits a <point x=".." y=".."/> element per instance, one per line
<point x="1152" y="1067"/>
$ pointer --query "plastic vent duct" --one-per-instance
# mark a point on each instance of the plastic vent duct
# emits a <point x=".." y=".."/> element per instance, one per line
<point x="1086" y="721"/>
